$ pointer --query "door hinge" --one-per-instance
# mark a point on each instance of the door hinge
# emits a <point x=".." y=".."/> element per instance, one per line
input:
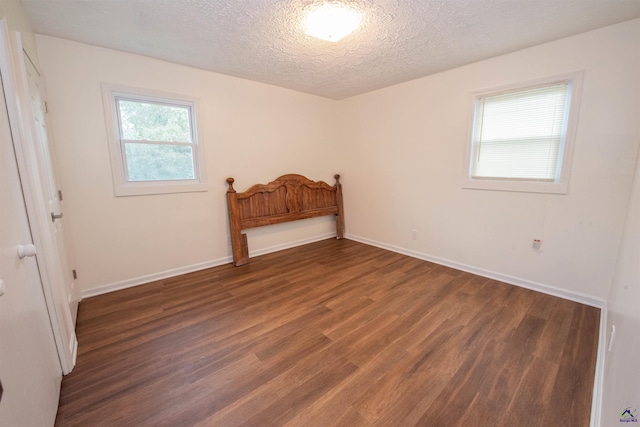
<point x="75" y="274"/>
<point x="60" y="195"/>
<point x="45" y="106"/>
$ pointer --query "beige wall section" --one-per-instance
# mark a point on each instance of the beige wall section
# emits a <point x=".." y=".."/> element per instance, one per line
<point x="405" y="148"/>
<point x="251" y="131"/>
<point x="402" y="154"/>
<point x="622" y="376"/>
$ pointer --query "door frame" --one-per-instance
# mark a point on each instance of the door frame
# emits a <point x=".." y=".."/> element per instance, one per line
<point x="36" y="211"/>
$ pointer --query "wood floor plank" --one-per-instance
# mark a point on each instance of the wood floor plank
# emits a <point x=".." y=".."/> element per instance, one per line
<point x="334" y="333"/>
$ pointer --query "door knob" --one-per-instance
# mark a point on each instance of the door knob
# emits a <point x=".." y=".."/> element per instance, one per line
<point x="26" y="250"/>
<point x="54" y="216"/>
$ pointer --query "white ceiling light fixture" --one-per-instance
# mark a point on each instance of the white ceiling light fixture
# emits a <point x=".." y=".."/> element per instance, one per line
<point x="331" y="21"/>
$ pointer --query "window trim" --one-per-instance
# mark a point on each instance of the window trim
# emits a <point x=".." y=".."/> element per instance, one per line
<point x="122" y="186"/>
<point x="565" y="154"/>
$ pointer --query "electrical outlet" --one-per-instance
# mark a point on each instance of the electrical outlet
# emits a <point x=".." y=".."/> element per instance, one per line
<point x="414" y="234"/>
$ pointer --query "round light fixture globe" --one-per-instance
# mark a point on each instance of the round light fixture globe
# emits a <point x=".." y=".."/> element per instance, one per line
<point x="331" y="21"/>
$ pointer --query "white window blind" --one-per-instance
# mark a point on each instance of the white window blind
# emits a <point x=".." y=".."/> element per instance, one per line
<point x="519" y="135"/>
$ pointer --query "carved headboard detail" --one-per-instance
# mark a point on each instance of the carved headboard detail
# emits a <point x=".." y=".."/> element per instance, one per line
<point x="288" y="198"/>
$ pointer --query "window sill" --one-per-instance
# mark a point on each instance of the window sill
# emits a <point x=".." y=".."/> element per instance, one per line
<point x="516" y="186"/>
<point x="163" y="187"/>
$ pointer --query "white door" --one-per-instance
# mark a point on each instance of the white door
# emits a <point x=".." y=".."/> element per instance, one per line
<point x="41" y="196"/>
<point x="49" y="181"/>
<point x="30" y="370"/>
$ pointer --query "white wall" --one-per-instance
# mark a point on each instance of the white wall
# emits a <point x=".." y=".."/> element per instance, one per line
<point x="251" y="131"/>
<point x="404" y="164"/>
<point x="400" y="151"/>
<point x="622" y="376"/>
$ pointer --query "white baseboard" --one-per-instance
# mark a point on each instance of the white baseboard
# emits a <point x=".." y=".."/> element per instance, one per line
<point x="141" y="280"/>
<point x="74" y="350"/>
<point x="283" y="246"/>
<point x="539" y="287"/>
<point x="523" y="283"/>
<point x="598" y="381"/>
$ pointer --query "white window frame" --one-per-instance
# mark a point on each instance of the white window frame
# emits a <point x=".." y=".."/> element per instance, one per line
<point x="124" y="187"/>
<point x="565" y="154"/>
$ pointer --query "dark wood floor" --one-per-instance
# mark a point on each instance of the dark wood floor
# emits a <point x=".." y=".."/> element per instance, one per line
<point x="335" y="333"/>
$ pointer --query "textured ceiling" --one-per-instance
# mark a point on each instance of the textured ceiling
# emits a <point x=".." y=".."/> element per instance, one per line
<point x="262" y="40"/>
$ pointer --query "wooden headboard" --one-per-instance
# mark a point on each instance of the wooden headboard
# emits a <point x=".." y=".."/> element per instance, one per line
<point x="288" y="198"/>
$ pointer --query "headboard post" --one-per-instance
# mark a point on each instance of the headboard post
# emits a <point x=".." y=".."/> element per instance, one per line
<point x="239" y="244"/>
<point x="340" y="214"/>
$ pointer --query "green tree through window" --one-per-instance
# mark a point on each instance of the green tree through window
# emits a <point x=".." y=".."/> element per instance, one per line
<point x="157" y="139"/>
<point x="154" y="122"/>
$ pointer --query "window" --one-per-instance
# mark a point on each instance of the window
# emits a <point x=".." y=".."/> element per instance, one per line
<point x="153" y="142"/>
<point x="521" y="138"/>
